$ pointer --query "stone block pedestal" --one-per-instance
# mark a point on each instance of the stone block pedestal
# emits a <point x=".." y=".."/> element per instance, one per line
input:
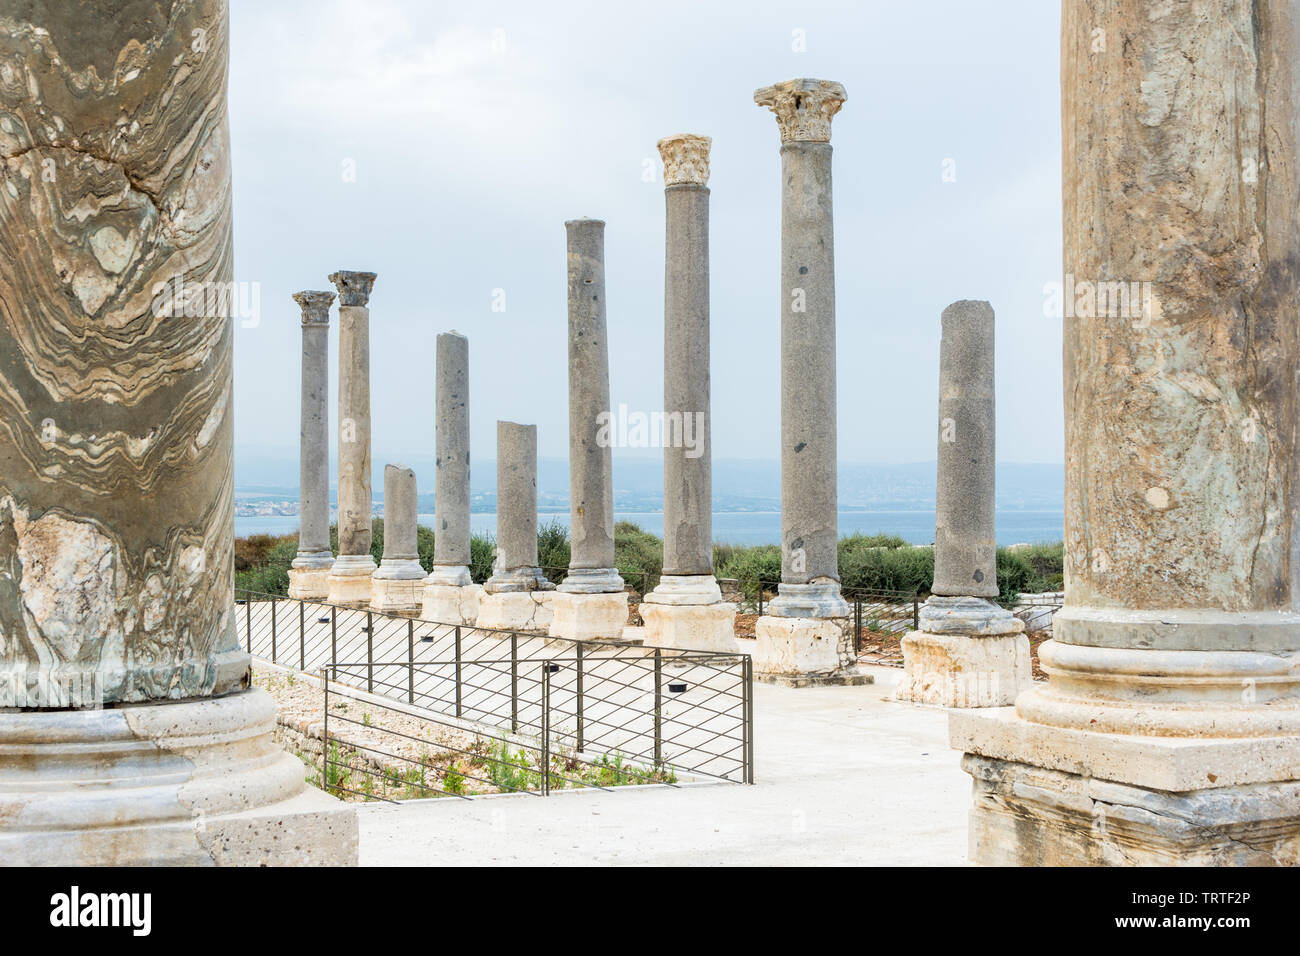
<point x="402" y="596"/>
<point x="309" y="584"/>
<point x="1057" y="796"/>
<point x="693" y="627"/>
<point x="195" y="782"/>
<point x="349" y="580"/>
<point x="528" y="611"/>
<point x="452" y="604"/>
<point x="957" y="670"/>
<point x="589" y="617"/>
<point x="802" y="651"/>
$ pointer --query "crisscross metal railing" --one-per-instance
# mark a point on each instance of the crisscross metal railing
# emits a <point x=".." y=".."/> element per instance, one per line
<point x="873" y="610"/>
<point x="672" y="711"/>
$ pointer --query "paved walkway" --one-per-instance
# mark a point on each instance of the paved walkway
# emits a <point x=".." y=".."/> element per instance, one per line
<point x="844" y="776"/>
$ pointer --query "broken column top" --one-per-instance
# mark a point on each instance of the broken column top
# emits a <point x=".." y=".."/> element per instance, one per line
<point x="354" y="287"/>
<point x="803" y="108"/>
<point x="686" y="159"/>
<point x="315" y="307"/>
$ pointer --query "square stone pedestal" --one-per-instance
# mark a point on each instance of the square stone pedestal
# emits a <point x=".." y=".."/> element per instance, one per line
<point x="1052" y="796"/>
<point x="349" y="580"/>
<point x="309" y="584"/>
<point x="693" y="627"/>
<point x="959" y="670"/>
<point x="529" y="611"/>
<point x="401" y="596"/>
<point x="451" y="604"/>
<point x="589" y="617"/>
<point x="805" y="651"/>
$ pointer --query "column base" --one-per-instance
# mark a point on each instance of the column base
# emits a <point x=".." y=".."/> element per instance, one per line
<point x="349" y="580"/>
<point x="692" y="627"/>
<point x="403" y="596"/>
<point x="451" y="604"/>
<point x="801" y="651"/>
<point x="196" y="782"/>
<point x="959" y="670"/>
<point x="1063" y="796"/>
<point x="309" y="584"/>
<point x="589" y="617"/>
<point x="527" y="611"/>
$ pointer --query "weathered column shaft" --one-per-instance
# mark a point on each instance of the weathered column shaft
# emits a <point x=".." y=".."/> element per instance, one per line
<point x="591" y="489"/>
<point x="314" y="443"/>
<point x="451" y="491"/>
<point x="116" y="502"/>
<point x="688" y="453"/>
<point x="354" y="493"/>
<point x="965" y="549"/>
<point x="400" y="515"/>
<point x="516" y="496"/>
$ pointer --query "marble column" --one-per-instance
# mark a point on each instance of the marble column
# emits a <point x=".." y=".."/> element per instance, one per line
<point x="686" y="608"/>
<point x="349" y="578"/>
<point x="807" y="633"/>
<point x="591" y="602"/>
<point x="969" y="652"/>
<point x="397" y="585"/>
<point x="120" y="658"/>
<point x="450" y="596"/>
<point x="309" y="575"/>
<point x="1168" y="730"/>
<point x="518" y="596"/>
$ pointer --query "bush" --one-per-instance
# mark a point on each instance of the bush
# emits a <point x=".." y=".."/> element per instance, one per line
<point x="638" y="555"/>
<point x="553" y="551"/>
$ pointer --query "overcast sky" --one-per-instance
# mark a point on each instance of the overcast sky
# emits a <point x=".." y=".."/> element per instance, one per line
<point x="475" y="130"/>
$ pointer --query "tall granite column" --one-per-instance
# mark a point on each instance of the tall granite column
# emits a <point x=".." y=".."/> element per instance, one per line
<point x="518" y="596"/>
<point x="969" y="652"/>
<point x="450" y="596"/>
<point x="806" y="633"/>
<point x="592" y="602"/>
<point x="1169" y="729"/>
<point x="397" y="585"/>
<point x="349" y="579"/>
<point x="686" y="608"/>
<point x="120" y="648"/>
<point x="309" y="575"/>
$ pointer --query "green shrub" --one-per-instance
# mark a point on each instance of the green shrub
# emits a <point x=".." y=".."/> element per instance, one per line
<point x="638" y="555"/>
<point x="553" y="550"/>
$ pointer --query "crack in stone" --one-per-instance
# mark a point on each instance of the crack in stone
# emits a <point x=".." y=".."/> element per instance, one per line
<point x="136" y="185"/>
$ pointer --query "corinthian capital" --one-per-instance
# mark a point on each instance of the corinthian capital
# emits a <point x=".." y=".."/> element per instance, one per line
<point x="354" y="287"/>
<point x="686" y="159"/>
<point x="803" y="108"/>
<point x="315" y="307"/>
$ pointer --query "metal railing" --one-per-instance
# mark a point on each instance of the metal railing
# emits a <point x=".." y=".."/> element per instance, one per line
<point x="688" y="712"/>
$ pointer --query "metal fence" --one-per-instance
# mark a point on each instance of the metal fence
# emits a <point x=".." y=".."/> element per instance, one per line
<point x="688" y="712"/>
<point x="874" y="611"/>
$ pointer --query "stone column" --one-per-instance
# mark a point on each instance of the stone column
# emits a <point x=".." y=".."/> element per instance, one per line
<point x="120" y="653"/>
<point x="1169" y="729"/>
<point x="807" y="633"/>
<point x="592" y="602"/>
<point x="518" y="596"/>
<point x="309" y="575"/>
<point x="398" y="584"/>
<point x="450" y="596"/>
<point x="349" y="579"/>
<point x="686" y="608"/>
<point x="969" y="651"/>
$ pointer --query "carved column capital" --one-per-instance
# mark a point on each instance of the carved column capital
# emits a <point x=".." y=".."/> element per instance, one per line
<point x="803" y="108"/>
<point x="354" y="287"/>
<point x="686" y="159"/>
<point x="315" y="307"/>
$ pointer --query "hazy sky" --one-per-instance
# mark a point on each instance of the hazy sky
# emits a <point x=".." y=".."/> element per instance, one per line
<point x="475" y="130"/>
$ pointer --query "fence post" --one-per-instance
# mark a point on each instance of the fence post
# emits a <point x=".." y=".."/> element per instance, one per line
<point x="248" y="619"/>
<point x="546" y="729"/>
<point x="759" y="588"/>
<point x="579" y="703"/>
<point x="334" y="634"/>
<point x="410" y="662"/>
<point x="370" y="652"/>
<point x="514" y="681"/>
<point x="916" y="613"/>
<point x="273" y="601"/>
<point x="325" y="733"/>
<point x="659" y="727"/>
<point x="458" y="698"/>
<point x="302" y="636"/>
<point x="857" y="625"/>
<point x="747" y="717"/>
